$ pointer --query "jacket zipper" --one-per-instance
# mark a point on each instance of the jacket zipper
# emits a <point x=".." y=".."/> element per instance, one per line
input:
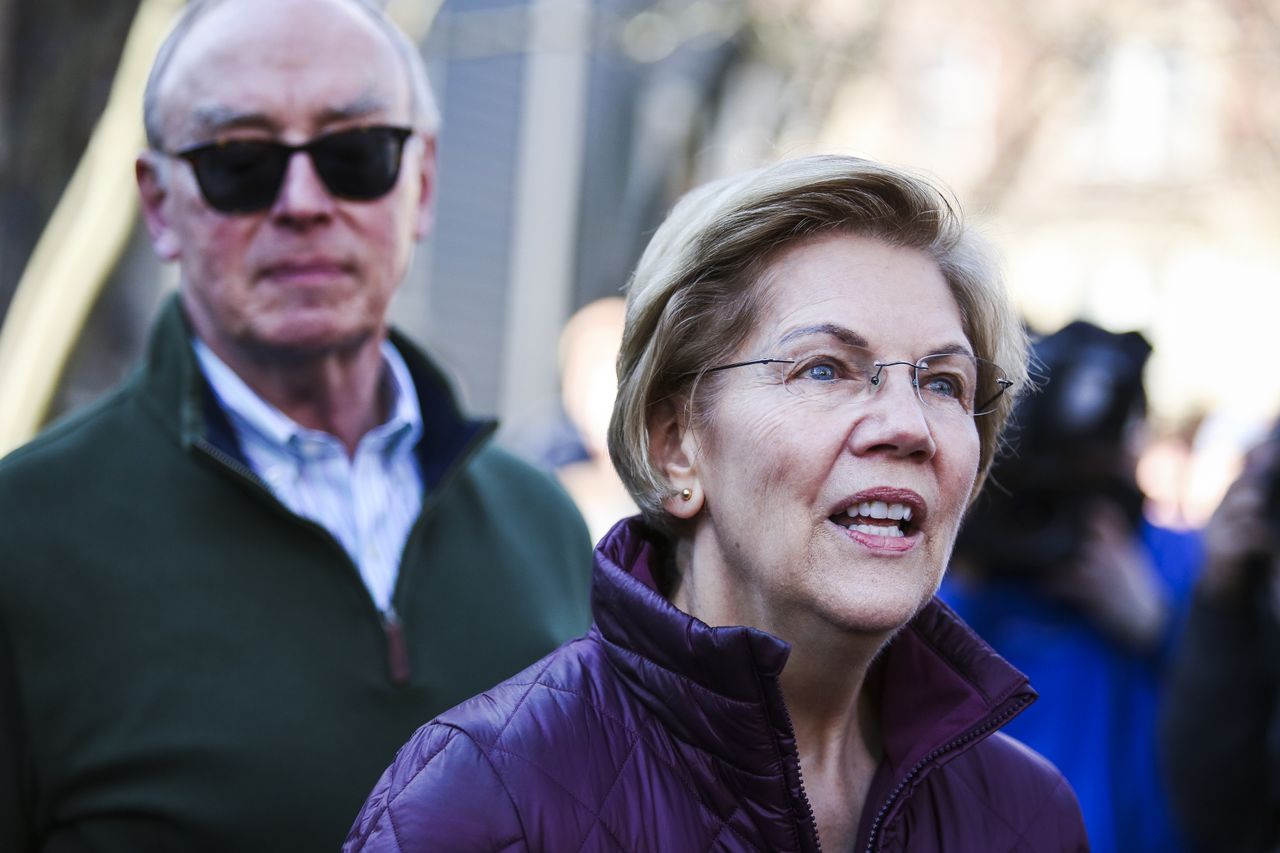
<point x="812" y="823"/>
<point x="392" y="629"/>
<point x="397" y="648"/>
<point x="973" y="734"/>
<point x="210" y="450"/>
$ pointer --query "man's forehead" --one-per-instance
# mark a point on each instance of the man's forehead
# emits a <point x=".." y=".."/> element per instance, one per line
<point x="212" y="116"/>
<point x="278" y="65"/>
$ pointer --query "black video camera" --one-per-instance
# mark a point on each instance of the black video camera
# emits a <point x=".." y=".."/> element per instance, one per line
<point x="1069" y="448"/>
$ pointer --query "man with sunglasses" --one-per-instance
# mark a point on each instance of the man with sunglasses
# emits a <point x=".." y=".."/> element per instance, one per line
<point x="231" y="590"/>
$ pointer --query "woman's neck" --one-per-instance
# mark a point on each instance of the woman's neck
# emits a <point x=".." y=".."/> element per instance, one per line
<point x="837" y="730"/>
<point x="836" y="720"/>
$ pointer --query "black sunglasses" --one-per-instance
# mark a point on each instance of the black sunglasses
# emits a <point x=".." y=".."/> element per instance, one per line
<point x="244" y="175"/>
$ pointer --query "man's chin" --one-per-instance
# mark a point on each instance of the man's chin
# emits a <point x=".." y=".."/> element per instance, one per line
<point x="300" y="342"/>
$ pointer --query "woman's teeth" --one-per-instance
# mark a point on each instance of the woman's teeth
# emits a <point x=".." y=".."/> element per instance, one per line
<point x="880" y="509"/>
<point x="869" y="517"/>
<point x="888" y="530"/>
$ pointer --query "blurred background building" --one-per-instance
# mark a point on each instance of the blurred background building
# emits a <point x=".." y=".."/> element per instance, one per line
<point x="1125" y="156"/>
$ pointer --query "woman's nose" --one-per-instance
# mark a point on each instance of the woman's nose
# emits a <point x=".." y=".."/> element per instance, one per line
<point x="894" y="419"/>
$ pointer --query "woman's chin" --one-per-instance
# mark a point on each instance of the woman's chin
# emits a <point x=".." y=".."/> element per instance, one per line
<point x="876" y="606"/>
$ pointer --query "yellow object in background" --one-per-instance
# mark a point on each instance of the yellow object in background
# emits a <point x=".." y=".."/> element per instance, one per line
<point x="81" y="243"/>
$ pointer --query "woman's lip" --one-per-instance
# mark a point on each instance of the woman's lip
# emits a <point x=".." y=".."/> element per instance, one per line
<point x="888" y="544"/>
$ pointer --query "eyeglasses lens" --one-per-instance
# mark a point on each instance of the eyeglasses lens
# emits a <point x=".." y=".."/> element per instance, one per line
<point x="949" y="382"/>
<point x="244" y="176"/>
<point x="239" y="177"/>
<point x="360" y="164"/>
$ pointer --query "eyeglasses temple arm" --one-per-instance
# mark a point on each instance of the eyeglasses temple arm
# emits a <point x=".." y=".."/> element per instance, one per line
<point x="1005" y="385"/>
<point x="752" y="361"/>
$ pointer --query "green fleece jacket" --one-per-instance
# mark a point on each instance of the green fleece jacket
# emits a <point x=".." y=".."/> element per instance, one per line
<point x="185" y="665"/>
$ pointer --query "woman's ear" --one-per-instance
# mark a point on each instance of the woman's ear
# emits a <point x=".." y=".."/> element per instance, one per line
<point x="674" y="450"/>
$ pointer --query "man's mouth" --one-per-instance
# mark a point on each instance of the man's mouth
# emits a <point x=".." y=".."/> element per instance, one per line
<point x="305" y="271"/>
<point x="877" y="518"/>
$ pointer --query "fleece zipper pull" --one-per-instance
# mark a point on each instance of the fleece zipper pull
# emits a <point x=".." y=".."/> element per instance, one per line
<point x="397" y="649"/>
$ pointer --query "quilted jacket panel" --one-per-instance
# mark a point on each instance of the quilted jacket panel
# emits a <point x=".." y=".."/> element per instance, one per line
<point x="655" y="732"/>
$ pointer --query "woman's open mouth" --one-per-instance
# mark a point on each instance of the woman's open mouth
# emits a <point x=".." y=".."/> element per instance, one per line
<point x="877" y="518"/>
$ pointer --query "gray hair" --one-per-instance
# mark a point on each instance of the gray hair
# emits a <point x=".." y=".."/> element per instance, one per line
<point x="425" y="114"/>
<point x="696" y="292"/>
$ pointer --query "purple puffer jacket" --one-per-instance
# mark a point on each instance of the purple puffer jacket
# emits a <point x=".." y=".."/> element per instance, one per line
<point x="655" y="732"/>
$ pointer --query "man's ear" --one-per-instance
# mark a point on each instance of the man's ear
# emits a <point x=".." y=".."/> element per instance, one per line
<point x="154" y="193"/>
<point x="425" y="214"/>
<point x="674" y="449"/>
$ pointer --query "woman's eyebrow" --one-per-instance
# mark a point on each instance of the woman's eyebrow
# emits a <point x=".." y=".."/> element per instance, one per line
<point x="848" y="337"/>
<point x="953" y="349"/>
<point x="840" y="333"/>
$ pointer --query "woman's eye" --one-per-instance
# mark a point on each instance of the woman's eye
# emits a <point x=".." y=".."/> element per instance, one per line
<point x="944" y="386"/>
<point x="823" y="372"/>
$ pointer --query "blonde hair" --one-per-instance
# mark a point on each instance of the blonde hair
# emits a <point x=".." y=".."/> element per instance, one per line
<point x="695" y="294"/>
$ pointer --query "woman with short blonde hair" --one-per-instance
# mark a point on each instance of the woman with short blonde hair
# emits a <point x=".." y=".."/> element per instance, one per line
<point x="812" y="384"/>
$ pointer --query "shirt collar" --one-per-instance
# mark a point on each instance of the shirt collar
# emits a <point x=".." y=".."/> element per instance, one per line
<point x="404" y="427"/>
<point x="248" y="410"/>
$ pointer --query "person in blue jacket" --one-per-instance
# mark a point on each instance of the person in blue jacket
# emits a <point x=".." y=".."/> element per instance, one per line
<point x="1059" y="570"/>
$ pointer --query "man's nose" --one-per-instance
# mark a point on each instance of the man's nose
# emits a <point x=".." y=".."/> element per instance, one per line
<point x="302" y="196"/>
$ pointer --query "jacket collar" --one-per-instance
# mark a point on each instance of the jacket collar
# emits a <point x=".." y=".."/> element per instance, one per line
<point x="947" y="688"/>
<point x="176" y="392"/>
